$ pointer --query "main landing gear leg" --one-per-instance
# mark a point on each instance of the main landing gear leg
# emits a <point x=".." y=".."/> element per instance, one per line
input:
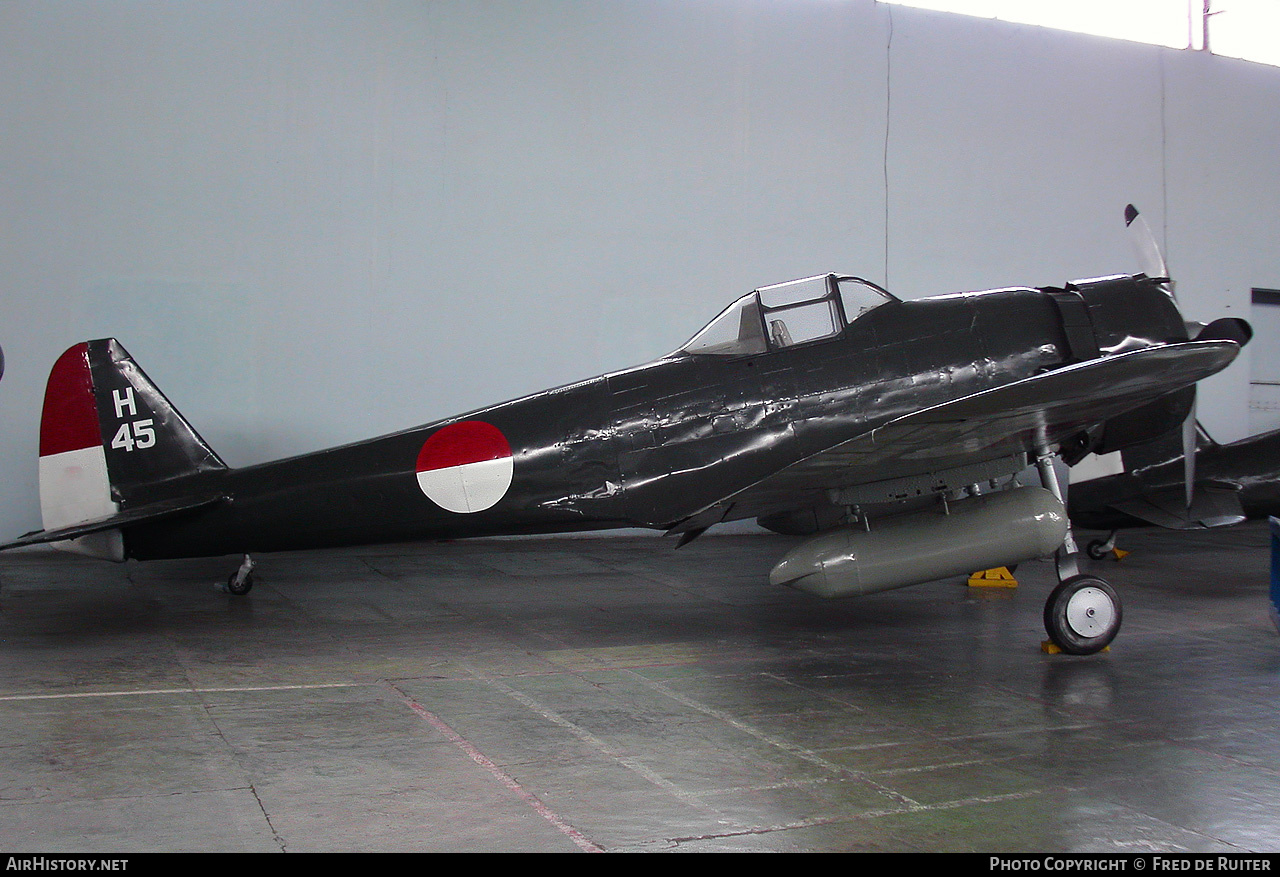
<point x="241" y="581"/>
<point x="1082" y="615"/>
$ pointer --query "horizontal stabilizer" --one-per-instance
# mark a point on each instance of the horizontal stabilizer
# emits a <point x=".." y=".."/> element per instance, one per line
<point x="149" y="512"/>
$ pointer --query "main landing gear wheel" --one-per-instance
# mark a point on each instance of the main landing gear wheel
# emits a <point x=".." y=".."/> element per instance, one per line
<point x="1082" y="615"/>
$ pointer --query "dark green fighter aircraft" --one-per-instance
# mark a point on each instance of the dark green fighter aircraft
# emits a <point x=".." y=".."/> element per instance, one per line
<point x="891" y="430"/>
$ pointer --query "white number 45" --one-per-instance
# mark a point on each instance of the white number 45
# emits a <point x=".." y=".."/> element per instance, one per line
<point x="138" y="434"/>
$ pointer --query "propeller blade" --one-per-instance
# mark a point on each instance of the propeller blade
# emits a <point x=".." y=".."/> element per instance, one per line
<point x="1145" y="247"/>
<point x="1189" y="429"/>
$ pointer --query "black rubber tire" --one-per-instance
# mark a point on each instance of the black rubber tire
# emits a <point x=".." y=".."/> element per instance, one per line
<point x="241" y="589"/>
<point x="1097" y="549"/>
<point x="1082" y="615"/>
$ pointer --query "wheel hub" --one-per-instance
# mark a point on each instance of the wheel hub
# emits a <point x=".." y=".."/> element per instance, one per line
<point x="1090" y="612"/>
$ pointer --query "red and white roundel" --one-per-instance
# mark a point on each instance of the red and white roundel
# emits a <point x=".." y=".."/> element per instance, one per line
<point x="466" y="467"/>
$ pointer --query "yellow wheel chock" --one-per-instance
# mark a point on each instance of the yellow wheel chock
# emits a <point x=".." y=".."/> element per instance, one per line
<point x="1049" y="648"/>
<point x="1000" y="577"/>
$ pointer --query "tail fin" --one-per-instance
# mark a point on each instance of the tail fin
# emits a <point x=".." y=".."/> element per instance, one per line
<point x="108" y="435"/>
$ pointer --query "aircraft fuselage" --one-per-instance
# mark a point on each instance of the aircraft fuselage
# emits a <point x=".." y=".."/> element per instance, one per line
<point x="650" y="445"/>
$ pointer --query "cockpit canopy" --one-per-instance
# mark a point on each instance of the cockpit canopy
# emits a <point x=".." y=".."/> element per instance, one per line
<point x="787" y="314"/>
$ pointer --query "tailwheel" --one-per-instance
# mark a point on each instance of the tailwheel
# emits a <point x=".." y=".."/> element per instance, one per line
<point x="1082" y="615"/>
<point x="239" y="585"/>
<point x="241" y="581"/>
<point x="1100" y="548"/>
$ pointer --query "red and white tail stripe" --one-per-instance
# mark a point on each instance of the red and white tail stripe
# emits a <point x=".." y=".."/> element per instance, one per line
<point x="74" y="484"/>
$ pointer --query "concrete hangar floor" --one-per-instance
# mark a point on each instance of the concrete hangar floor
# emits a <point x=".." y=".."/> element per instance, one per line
<point x="613" y="694"/>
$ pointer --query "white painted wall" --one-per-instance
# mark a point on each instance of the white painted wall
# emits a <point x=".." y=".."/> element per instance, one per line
<point x="313" y="223"/>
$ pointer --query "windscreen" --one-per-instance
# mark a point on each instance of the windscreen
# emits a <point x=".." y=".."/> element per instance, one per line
<point x="735" y="332"/>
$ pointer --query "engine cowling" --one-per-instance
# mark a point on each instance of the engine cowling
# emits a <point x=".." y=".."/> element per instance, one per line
<point x="974" y="534"/>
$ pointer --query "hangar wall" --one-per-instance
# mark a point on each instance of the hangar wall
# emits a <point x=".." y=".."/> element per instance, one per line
<point x="314" y="223"/>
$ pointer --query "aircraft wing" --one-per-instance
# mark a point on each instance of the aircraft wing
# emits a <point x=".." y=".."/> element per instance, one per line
<point x="1212" y="505"/>
<point x="1001" y="424"/>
